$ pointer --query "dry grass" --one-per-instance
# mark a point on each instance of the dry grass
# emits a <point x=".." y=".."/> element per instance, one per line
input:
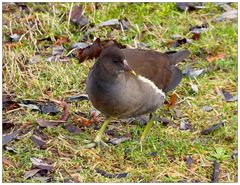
<point x="56" y="80"/>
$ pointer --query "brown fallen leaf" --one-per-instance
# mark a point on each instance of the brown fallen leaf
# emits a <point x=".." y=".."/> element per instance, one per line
<point x="38" y="141"/>
<point x="213" y="58"/>
<point x="73" y="129"/>
<point x="55" y="123"/>
<point x="61" y="40"/>
<point x="173" y="100"/>
<point x="7" y="162"/>
<point x="7" y="125"/>
<point x="8" y="103"/>
<point x="94" y="50"/>
<point x="196" y="36"/>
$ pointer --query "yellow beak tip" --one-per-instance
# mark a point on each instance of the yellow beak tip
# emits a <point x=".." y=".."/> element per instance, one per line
<point x="133" y="72"/>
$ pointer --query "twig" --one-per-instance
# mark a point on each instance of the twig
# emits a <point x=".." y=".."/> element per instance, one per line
<point x="216" y="171"/>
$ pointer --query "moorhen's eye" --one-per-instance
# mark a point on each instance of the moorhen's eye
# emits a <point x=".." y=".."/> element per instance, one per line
<point x="116" y="61"/>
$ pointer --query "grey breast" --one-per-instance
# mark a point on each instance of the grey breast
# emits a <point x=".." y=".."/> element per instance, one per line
<point x="126" y="96"/>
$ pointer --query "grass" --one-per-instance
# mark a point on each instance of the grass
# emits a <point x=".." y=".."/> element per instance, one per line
<point x="56" y="80"/>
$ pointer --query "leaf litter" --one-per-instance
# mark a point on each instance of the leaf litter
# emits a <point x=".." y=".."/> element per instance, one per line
<point x="227" y="96"/>
<point x="212" y="128"/>
<point x="39" y="168"/>
<point x="9" y="137"/>
<point x="189" y="71"/>
<point x="109" y="175"/>
<point x="55" y="123"/>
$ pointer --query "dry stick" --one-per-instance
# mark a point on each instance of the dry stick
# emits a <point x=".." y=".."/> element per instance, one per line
<point x="216" y="171"/>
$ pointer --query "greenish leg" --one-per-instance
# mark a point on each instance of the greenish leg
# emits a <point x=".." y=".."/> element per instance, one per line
<point x="101" y="131"/>
<point x="146" y="130"/>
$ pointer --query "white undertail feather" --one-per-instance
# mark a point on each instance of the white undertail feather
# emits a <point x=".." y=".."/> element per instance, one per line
<point x="157" y="90"/>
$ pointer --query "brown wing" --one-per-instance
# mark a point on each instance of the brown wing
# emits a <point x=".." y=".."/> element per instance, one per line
<point x="157" y="67"/>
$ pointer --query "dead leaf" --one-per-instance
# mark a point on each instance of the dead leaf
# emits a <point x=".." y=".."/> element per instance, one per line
<point x="61" y="40"/>
<point x="213" y="58"/>
<point x="43" y="107"/>
<point x="51" y="124"/>
<point x="58" y="58"/>
<point x="84" y="121"/>
<point x="49" y="108"/>
<point x="94" y="50"/>
<point x="189" y="5"/>
<point x="38" y="163"/>
<point x="189" y="161"/>
<point x="196" y="36"/>
<point x="110" y="22"/>
<point x="10" y="149"/>
<point x="34" y="59"/>
<point x="198" y="29"/>
<point x="31" y="173"/>
<point x="8" y="103"/>
<point x="153" y="154"/>
<point x="14" y="37"/>
<point x="9" y="137"/>
<point x="39" y="141"/>
<point x="80" y="45"/>
<point x="165" y="122"/>
<point x="118" y="140"/>
<point x="172" y="101"/>
<point x="108" y="175"/>
<point x="185" y="125"/>
<point x="112" y="132"/>
<point x="77" y="17"/>
<point x="54" y="123"/>
<point x="227" y="96"/>
<point x="143" y="119"/>
<point x="76" y="98"/>
<point x="191" y="72"/>
<point x="229" y="15"/>
<point x="7" y="125"/>
<point x="58" y="50"/>
<point x="73" y="129"/>
<point x="207" y="108"/>
<point x="212" y="128"/>
<point x="7" y="162"/>
<point x="42" y="179"/>
<point x="94" y="113"/>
